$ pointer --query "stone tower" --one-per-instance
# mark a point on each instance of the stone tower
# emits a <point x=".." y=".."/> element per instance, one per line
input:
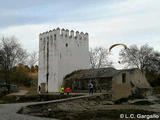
<point x="60" y="53"/>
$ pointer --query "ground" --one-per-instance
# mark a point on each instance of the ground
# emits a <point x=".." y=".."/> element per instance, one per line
<point x="20" y="92"/>
<point x="94" y="107"/>
<point x="76" y="108"/>
<point x="8" y="112"/>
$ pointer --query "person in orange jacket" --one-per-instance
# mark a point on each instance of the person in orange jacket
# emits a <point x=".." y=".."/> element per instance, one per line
<point x="68" y="90"/>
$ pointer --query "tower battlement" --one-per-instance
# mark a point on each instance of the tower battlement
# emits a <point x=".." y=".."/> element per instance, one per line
<point x="65" y="33"/>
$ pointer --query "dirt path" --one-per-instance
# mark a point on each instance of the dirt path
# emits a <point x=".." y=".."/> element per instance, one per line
<point x="9" y="112"/>
<point x="20" y="92"/>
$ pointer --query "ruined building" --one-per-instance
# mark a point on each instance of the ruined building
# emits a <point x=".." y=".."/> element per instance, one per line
<point x="118" y="83"/>
<point x="61" y="52"/>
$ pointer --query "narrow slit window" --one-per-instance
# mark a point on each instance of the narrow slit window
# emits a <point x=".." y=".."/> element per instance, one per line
<point x="60" y="56"/>
<point x="66" y="44"/>
<point x="123" y="77"/>
<point x="54" y="37"/>
<point x="51" y="37"/>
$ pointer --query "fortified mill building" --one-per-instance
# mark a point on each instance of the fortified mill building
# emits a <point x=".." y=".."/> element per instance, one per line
<point x="60" y="53"/>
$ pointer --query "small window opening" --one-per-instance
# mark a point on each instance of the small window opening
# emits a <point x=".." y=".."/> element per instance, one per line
<point x="54" y="37"/>
<point x="123" y="77"/>
<point x="60" y="56"/>
<point x="66" y="44"/>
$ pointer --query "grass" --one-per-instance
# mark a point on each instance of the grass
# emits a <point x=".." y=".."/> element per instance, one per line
<point x="143" y="103"/>
<point x="31" y="90"/>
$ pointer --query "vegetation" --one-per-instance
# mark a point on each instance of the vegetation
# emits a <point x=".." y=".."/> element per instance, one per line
<point x="11" y="53"/>
<point x="21" y="75"/>
<point x="143" y="103"/>
<point x="16" y="65"/>
<point x="146" y="59"/>
<point x="154" y="79"/>
<point x="99" y="57"/>
<point x="156" y="90"/>
<point x="122" y="100"/>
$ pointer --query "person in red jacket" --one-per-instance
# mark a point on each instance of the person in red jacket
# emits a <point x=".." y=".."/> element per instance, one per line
<point x="68" y="90"/>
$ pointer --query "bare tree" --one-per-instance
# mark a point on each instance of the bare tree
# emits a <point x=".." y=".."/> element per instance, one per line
<point x="11" y="53"/>
<point x="144" y="58"/>
<point x="99" y="57"/>
<point x="32" y="58"/>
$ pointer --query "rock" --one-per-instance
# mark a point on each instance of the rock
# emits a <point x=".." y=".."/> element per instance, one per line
<point x="49" y="109"/>
<point x="107" y="103"/>
<point x="141" y="102"/>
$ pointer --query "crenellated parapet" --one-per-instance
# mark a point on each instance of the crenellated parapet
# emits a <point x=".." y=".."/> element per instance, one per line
<point x="65" y="33"/>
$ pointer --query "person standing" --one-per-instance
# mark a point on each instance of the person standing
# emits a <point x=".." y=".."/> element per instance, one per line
<point x="62" y="91"/>
<point x="68" y="90"/>
<point x="39" y="92"/>
<point x="39" y="89"/>
<point x="91" y="88"/>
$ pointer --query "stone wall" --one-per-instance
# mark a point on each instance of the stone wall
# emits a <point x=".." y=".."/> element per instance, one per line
<point x="134" y="79"/>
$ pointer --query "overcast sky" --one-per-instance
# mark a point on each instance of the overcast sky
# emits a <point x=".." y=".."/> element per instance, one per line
<point x="106" y="21"/>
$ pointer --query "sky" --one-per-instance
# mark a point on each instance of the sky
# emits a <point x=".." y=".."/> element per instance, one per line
<point x="107" y="21"/>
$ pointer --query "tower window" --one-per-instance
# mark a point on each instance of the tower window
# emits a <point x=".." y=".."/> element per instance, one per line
<point x="66" y="44"/>
<point x="123" y="77"/>
<point x="55" y="37"/>
<point x="60" y="56"/>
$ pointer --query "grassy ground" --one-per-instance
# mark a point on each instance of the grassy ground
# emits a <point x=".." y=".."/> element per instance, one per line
<point x="31" y="90"/>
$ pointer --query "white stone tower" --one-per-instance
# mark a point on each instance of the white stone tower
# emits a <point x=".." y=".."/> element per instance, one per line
<point x="60" y="53"/>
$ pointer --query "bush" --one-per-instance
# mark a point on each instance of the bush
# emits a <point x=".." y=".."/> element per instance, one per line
<point x="153" y="78"/>
<point x="156" y="90"/>
<point x="122" y="100"/>
<point x="142" y="103"/>
<point x="21" y="78"/>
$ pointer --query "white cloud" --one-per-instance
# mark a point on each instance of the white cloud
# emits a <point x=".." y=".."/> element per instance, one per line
<point x="132" y="22"/>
